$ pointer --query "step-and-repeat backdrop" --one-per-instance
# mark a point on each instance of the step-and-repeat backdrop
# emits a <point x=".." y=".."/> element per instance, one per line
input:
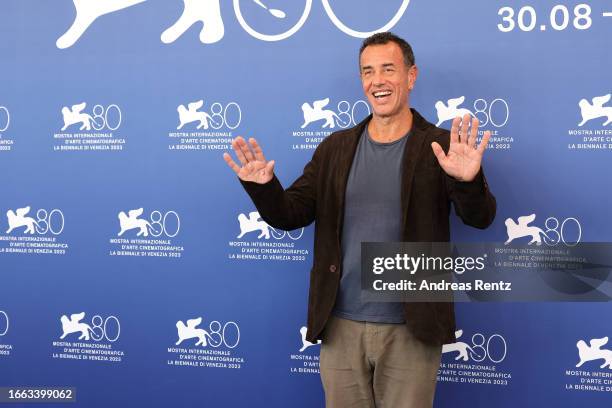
<point x="134" y="267"/>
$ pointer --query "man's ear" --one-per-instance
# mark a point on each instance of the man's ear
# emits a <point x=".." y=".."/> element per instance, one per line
<point x="413" y="73"/>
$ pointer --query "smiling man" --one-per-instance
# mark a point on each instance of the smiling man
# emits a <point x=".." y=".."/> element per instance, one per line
<point x="392" y="177"/>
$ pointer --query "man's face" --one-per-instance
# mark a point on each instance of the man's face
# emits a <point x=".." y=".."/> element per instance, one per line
<point x="385" y="79"/>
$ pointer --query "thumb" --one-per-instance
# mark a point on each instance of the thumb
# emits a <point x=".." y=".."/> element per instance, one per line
<point x="438" y="151"/>
<point x="270" y="167"/>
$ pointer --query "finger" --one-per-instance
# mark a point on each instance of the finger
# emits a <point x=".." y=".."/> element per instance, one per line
<point x="270" y="168"/>
<point x="483" y="143"/>
<point x="439" y="152"/>
<point x="238" y="150"/>
<point x="463" y="137"/>
<point x="455" y="130"/>
<point x="257" y="150"/>
<point x="473" y="133"/>
<point x="231" y="163"/>
<point x="246" y="150"/>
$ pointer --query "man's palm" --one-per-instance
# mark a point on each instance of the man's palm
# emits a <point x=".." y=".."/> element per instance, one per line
<point x="463" y="159"/>
<point x="254" y="166"/>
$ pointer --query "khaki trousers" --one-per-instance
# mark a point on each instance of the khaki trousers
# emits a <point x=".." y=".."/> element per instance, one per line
<point x="376" y="365"/>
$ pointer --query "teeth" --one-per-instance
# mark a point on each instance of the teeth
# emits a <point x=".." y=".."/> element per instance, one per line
<point x="382" y="93"/>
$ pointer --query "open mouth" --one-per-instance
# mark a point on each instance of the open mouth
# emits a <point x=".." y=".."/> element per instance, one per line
<point x="381" y="95"/>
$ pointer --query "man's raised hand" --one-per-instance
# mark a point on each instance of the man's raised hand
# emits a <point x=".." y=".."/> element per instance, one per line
<point x="254" y="166"/>
<point x="463" y="159"/>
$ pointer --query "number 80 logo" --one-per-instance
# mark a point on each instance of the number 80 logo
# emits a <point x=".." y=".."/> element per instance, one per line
<point x="4" y="323"/>
<point x="5" y="119"/>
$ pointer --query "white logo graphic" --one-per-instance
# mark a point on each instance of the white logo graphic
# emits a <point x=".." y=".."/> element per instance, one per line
<point x="229" y="115"/>
<point x="87" y="11"/>
<point x="255" y="223"/>
<point x="98" y="121"/>
<point x="272" y="37"/>
<point x="98" y="330"/>
<point x="215" y="336"/>
<point x="190" y="331"/>
<point x="316" y="112"/>
<point x="206" y="11"/>
<point x="7" y="122"/>
<point x="596" y="110"/>
<point x="4" y="317"/>
<point x="307" y="7"/>
<point x="275" y="12"/>
<point x="131" y="221"/>
<point x="593" y="352"/>
<point x="103" y="119"/>
<point x="451" y="110"/>
<point x="554" y="234"/>
<point x="18" y="219"/>
<point x="364" y="34"/>
<point x="74" y="115"/>
<point x="480" y="349"/>
<point x="523" y="229"/>
<point x="46" y="221"/>
<point x="306" y="343"/>
<point x="495" y="112"/>
<point x="191" y="114"/>
<point x="74" y="325"/>
<point x="347" y="113"/>
<point x="40" y="223"/>
<point x="460" y="347"/>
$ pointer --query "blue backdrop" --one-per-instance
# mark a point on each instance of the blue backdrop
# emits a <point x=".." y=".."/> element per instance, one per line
<point x="121" y="226"/>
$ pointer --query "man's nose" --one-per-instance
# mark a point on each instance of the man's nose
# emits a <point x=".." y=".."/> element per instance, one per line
<point x="377" y="79"/>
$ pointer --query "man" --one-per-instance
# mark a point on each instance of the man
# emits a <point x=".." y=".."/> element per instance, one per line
<point x="390" y="178"/>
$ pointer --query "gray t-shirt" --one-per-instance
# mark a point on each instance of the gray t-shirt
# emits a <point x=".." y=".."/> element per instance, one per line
<point x="372" y="213"/>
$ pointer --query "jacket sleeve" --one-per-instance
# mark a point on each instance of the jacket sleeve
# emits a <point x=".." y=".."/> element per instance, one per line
<point x="473" y="201"/>
<point x="292" y="208"/>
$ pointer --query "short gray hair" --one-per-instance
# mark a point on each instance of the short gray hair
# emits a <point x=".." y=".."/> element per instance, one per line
<point x="385" y="38"/>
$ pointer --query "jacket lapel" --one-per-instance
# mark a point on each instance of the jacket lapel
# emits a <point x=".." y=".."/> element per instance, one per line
<point x="343" y="167"/>
<point x="412" y="151"/>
